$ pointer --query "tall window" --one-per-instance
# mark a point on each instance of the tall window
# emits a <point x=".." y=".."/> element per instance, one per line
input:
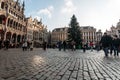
<point x="0" y="20"/>
<point x="2" y="5"/>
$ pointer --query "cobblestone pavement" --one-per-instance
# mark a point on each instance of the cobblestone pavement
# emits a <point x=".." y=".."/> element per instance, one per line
<point x="57" y="65"/>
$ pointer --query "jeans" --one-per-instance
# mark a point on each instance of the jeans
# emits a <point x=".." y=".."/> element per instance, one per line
<point x="116" y="51"/>
<point x="106" y="51"/>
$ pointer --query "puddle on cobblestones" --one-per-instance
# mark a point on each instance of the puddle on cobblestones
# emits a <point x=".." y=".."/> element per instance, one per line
<point x="37" y="60"/>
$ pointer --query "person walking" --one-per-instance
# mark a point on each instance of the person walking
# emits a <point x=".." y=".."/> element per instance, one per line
<point x="31" y="45"/>
<point x="116" y="44"/>
<point x="26" y="45"/>
<point x="23" y="46"/>
<point x="111" y="47"/>
<point x="0" y="43"/>
<point x="73" y="45"/>
<point x="105" y="42"/>
<point x="91" y="45"/>
<point x="64" y="45"/>
<point x="6" y="44"/>
<point x="59" y="45"/>
<point x="84" y="46"/>
<point x="44" y="45"/>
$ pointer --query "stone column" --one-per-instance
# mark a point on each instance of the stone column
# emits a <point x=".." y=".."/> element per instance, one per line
<point x="5" y="28"/>
<point x="0" y="4"/>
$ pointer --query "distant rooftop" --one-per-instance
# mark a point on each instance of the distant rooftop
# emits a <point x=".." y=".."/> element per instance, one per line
<point x="87" y="27"/>
<point x="58" y="29"/>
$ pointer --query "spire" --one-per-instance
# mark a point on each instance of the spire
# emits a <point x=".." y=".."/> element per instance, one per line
<point x="40" y="20"/>
<point x="17" y="1"/>
<point x="23" y="5"/>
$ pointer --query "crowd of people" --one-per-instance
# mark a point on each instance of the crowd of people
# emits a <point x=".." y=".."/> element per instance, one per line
<point x="107" y="43"/>
<point x="6" y="44"/>
<point x="110" y="44"/>
<point x="27" y="46"/>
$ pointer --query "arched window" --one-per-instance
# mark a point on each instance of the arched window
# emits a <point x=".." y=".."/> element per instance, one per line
<point x="14" y="24"/>
<point x="8" y="22"/>
<point x="11" y="22"/>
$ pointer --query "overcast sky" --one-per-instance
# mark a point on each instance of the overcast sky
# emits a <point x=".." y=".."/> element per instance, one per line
<point x="101" y="14"/>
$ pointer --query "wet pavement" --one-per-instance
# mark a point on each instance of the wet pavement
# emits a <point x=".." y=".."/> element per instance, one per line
<point x="52" y="64"/>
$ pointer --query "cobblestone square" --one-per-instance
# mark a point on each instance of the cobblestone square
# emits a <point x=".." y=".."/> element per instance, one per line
<point x="52" y="64"/>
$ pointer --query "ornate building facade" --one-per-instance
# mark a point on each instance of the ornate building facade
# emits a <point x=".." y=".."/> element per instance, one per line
<point x="12" y="21"/>
<point x="98" y="36"/>
<point x="59" y="34"/>
<point x="30" y="28"/>
<point x="39" y="33"/>
<point x="88" y="34"/>
<point x="113" y="31"/>
<point x="16" y="28"/>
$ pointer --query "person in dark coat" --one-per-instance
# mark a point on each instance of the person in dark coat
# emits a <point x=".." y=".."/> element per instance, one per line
<point x="91" y="45"/>
<point x="106" y="41"/>
<point x="73" y="45"/>
<point x="60" y="45"/>
<point x="116" y="44"/>
<point x="64" y="45"/>
<point x="44" y="45"/>
<point x="0" y="43"/>
<point x="6" y="44"/>
<point x="111" y="47"/>
<point x="84" y="47"/>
